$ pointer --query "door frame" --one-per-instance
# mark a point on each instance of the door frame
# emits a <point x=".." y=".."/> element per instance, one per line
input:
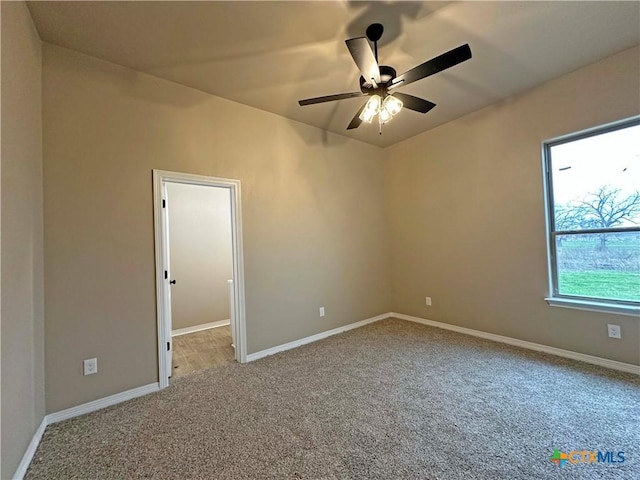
<point x="163" y="293"/>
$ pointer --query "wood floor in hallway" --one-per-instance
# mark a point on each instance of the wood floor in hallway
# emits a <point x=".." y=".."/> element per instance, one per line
<point x="199" y="350"/>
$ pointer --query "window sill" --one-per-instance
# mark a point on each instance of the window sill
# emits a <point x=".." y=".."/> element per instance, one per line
<point x="594" y="306"/>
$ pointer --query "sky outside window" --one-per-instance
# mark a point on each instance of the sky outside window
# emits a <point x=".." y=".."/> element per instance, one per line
<point x="582" y="167"/>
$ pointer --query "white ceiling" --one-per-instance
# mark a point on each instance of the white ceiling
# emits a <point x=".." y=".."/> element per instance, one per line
<point x="271" y="54"/>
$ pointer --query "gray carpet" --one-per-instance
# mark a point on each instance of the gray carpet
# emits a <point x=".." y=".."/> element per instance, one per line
<point x="390" y="400"/>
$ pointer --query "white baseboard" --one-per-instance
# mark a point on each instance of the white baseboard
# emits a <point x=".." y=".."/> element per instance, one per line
<point x="313" y="338"/>
<point x="198" y="328"/>
<point x="31" y="450"/>
<point x="603" y="362"/>
<point x="75" y="412"/>
<point x="154" y="387"/>
<point x="101" y="403"/>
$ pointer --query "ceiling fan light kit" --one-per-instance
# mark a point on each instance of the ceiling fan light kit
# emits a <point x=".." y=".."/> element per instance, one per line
<point x="385" y="109"/>
<point x="380" y="81"/>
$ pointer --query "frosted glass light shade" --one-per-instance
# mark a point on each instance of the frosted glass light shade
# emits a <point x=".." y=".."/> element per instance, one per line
<point x="370" y="109"/>
<point x="392" y="105"/>
<point x="384" y="115"/>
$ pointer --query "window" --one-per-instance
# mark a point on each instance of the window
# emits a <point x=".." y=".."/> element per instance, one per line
<point x="593" y="188"/>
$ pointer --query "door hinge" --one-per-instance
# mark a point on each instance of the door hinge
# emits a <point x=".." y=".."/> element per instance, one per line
<point x="164" y="203"/>
<point x="166" y="275"/>
<point x="168" y="346"/>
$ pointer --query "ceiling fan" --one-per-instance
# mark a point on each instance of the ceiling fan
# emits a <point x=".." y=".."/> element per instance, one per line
<point x="380" y="82"/>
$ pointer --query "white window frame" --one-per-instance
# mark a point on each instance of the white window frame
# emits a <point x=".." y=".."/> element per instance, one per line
<point x="555" y="298"/>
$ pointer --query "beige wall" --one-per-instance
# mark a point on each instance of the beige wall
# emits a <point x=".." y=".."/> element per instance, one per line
<point x="21" y="235"/>
<point x="467" y="225"/>
<point x="313" y="222"/>
<point x="200" y="253"/>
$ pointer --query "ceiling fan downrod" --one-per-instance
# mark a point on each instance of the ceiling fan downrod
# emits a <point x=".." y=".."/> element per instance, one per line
<point x="374" y="33"/>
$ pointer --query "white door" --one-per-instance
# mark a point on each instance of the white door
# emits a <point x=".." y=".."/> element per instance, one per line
<point x="168" y="281"/>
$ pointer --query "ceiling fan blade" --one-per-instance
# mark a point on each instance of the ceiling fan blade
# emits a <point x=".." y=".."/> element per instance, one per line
<point x="362" y="54"/>
<point x="414" y="103"/>
<point x="330" y="98"/>
<point x="355" y="122"/>
<point x="435" y="65"/>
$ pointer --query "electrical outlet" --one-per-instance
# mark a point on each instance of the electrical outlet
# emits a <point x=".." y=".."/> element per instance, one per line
<point x="614" y="331"/>
<point x="427" y="300"/>
<point x="322" y="311"/>
<point x="90" y="366"/>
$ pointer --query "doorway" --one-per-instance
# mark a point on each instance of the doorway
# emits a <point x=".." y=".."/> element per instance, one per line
<point x="198" y="245"/>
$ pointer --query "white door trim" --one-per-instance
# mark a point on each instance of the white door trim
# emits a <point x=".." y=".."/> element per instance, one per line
<point x="160" y="178"/>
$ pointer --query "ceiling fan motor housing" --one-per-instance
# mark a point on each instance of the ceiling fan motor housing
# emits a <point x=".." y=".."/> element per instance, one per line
<point x="387" y="74"/>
